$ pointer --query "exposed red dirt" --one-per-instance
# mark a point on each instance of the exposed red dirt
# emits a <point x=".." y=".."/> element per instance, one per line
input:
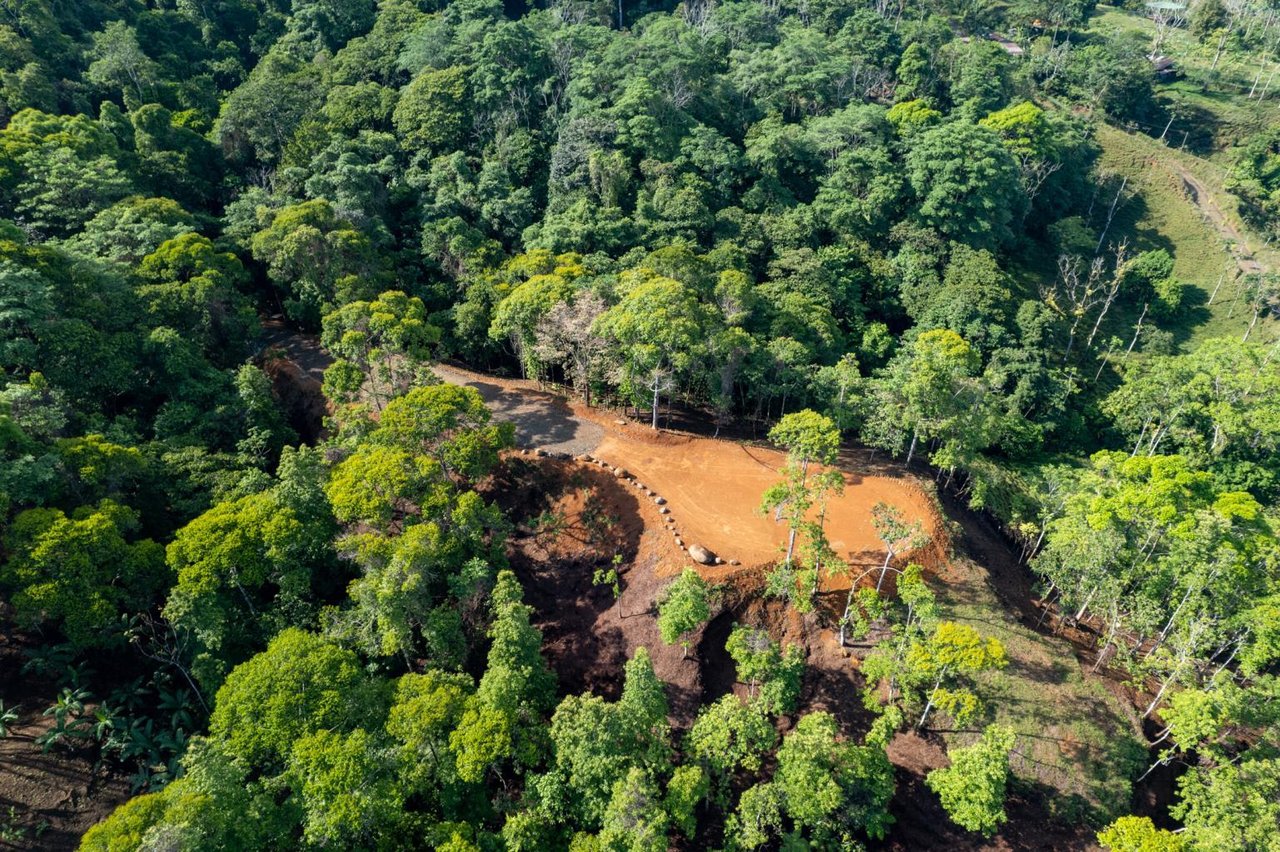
<point x="713" y="489"/>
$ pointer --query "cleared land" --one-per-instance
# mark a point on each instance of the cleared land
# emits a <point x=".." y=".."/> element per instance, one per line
<point x="1078" y="741"/>
<point x="712" y="488"/>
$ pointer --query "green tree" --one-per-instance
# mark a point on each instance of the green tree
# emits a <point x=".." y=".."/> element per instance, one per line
<point x="243" y="573"/>
<point x="505" y="719"/>
<point x="431" y="111"/>
<point x="299" y="685"/>
<point x="380" y="348"/>
<point x="972" y="788"/>
<point x="658" y="327"/>
<point x="1139" y="834"/>
<point x="597" y="744"/>
<point x="345" y="788"/>
<point x="809" y="439"/>
<point x="191" y="286"/>
<point x="831" y="787"/>
<point x="929" y="392"/>
<point x="729" y="736"/>
<point x="635" y="819"/>
<point x="318" y="259"/>
<point x="771" y="673"/>
<point x="81" y="572"/>
<point x="935" y="669"/>
<point x="118" y="62"/>
<point x="966" y="184"/>
<point x="425" y="709"/>
<point x="448" y="424"/>
<point x="683" y="607"/>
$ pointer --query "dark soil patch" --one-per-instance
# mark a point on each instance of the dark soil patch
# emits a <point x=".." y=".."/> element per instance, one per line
<point x="572" y="519"/>
<point x="295" y="363"/>
<point x="54" y="797"/>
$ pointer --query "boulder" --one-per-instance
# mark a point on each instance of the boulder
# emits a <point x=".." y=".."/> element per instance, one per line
<point x="661" y="501"/>
<point x="664" y="510"/>
<point x="679" y="542"/>
<point x="701" y="555"/>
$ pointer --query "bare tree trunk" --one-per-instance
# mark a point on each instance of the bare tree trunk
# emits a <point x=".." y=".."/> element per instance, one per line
<point x="1137" y="329"/>
<point x="1111" y="214"/>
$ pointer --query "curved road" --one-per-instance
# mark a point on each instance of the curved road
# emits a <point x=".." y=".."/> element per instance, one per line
<point x="543" y="421"/>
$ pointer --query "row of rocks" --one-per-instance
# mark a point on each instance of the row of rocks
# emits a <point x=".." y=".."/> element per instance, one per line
<point x="697" y="552"/>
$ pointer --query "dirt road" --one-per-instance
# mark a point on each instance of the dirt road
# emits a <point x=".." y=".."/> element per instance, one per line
<point x="543" y="420"/>
<point x="1202" y="197"/>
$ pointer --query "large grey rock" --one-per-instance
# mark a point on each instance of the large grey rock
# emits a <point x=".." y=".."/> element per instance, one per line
<point x="701" y="555"/>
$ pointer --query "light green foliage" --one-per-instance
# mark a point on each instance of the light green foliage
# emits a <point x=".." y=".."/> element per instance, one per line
<point x="685" y="791"/>
<point x="1215" y="405"/>
<point x="193" y="287"/>
<point x="318" y="259"/>
<point x="972" y="788"/>
<point x="830" y="787"/>
<point x="658" y="327"/>
<point x="597" y="744"/>
<point x="381" y="347"/>
<point x="430" y="113"/>
<point x="771" y="673"/>
<point x="1139" y="834"/>
<point x="937" y="664"/>
<point x="450" y="426"/>
<point x="504" y="720"/>
<point x="81" y="572"/>
<point x="730" y="735"/>
<point x="345" y="787"/>
<point x="131" y="229"/>
<point x="299" y="685"/>
<point x="243" y="573"/>
<point x="810" y="439"/>
<point x="1232" y="806"/>
<point x="913" y="116"/>
<point x="965" y="183"/>
<point x="124" y="830"/>
<point x="635" y="819"/>
<point x="379" y="486"/>
<point x="929" y="392"/>
<point x="934" y="670"/>
<point x="683" y="607"/>
<point x="1147" y="539"/>
<point x="759" y="816"/>
<point x="425" y="709"/>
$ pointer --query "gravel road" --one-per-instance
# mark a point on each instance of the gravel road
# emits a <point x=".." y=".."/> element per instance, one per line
<point x="543" y="421"/>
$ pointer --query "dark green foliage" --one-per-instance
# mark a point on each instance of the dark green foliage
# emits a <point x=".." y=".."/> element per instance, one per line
<point x="817" y="221"/>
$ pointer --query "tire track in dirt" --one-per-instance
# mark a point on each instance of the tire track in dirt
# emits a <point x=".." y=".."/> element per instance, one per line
<point x="1201" y="197"/>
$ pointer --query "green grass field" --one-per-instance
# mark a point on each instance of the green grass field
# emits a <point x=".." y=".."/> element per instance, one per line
<point x="1161" y="214"/>
<point x="1077" y="742"/>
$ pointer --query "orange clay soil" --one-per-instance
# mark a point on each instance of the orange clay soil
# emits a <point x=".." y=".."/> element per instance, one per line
<point x="713" y="489"/>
